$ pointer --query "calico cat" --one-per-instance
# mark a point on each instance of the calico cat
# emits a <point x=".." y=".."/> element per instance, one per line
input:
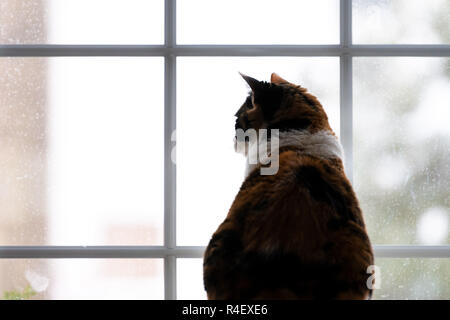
<point x="299" y="233"/>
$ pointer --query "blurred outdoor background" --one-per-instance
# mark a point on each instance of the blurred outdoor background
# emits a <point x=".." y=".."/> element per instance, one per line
<point x="81" y="138"/>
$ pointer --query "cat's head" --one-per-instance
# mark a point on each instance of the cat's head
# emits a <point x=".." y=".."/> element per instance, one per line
<point x="280" y="105"/>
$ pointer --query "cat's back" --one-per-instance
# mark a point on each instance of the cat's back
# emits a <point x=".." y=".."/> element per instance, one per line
<point x="296" y="234"/>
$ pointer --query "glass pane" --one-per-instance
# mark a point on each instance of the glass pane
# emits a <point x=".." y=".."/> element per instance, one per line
<point x="81" y="151"/>
<point x="209" y="172"/>
<point x="401" y="21"/>
<point x="82" y="22"/>
<point x="190" y="279"/>
<point x="81" y="279"/>
<point x="258" y="22"/>
<point x="398" y="279"/>
<point x="402" y="147"/>
<point x="413" y="279"/>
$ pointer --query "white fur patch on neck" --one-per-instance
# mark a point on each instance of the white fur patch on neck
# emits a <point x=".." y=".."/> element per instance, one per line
<point x="322" y="144"/>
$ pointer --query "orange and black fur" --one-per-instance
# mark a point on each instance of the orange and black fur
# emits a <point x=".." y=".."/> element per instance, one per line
<point x="297" y="234"/>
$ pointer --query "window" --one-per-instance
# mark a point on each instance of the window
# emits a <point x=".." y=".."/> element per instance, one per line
<point x="88" y="114"/>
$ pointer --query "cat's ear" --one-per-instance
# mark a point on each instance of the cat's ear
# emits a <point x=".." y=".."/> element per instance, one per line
<point x="274" y="78"/>
<point x="253" y="83"/>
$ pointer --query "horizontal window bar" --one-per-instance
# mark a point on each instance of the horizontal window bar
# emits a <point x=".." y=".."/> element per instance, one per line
<point x="223" y="50"/>
<point x="392" y="251"/>
<point x="81" y="50"/>
<point x="256" y="50"/>
<point x="99" y="252"/>
<point x="161" y="50"/>
<point x="50" y="252"/>
<point x="400" y="50"/>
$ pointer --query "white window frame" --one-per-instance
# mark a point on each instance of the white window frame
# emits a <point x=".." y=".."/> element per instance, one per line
<point x="170" y="252"/>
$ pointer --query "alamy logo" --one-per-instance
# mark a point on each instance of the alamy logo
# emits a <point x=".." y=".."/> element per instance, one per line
<point x="260" y="148"/>
<point x="371" y="283"/>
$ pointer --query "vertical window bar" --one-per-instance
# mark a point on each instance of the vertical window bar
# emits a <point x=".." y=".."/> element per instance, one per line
<point x="170" y="266"/>
<point x="346" y="23"/>
<point x="346" y="86"/>
<point x="346" y="112"/>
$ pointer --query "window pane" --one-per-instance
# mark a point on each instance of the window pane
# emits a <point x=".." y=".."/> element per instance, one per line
<point x="81" y="151"/>
<point x="401" y="21"/>
<point x="82" y="279"/>
<point x="413" y="279"/>
<point x="82" y="22"/>
<point x="257" y="22"/>
<point x="190" y="279"/>
<point x="402" y="147"/>
<point x="209" y="92"/>
<point x="398" y="279"/>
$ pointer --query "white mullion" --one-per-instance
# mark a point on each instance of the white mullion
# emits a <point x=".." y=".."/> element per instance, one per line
<point x="397" y="50"/>
<point x="345" y="23"/>
<point x="170" y="266"/>
<point x="108" y="252"/>
<point x="257" y="50"/>
<point x="411" y="251"/>
<point x="50" y="50"/>
<point x="169" y="178"/>
<point x="346" y="86"/>
<point x="346" y="112"/>
<point x="97" y="252"/>
<point x="169" y="166"/>
<point x="400" y="50"/>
